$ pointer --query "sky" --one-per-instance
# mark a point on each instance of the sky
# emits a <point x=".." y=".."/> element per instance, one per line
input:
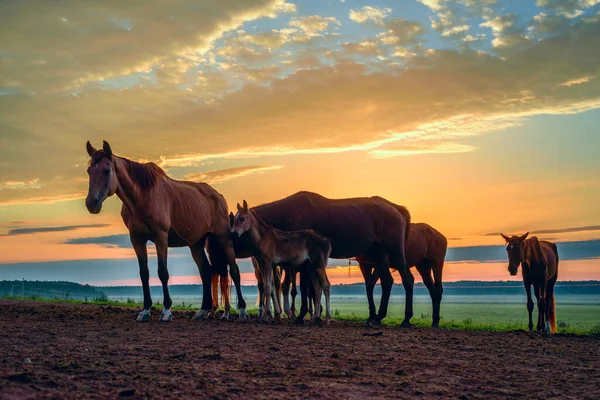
<point x="481" y="117"/>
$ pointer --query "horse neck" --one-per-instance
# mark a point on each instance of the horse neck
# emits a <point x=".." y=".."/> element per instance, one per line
<point x="126" y="190"/>
<point x="260" y="232"/>
<point x="532" y="250"/>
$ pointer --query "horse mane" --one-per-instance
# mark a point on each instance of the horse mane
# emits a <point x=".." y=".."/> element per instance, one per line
<point x="144" y="175"/>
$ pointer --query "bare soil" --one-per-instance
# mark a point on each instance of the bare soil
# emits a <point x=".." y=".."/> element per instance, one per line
<point x="85" y="351"/>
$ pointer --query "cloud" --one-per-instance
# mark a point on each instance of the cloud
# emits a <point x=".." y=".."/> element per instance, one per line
<point x="366" y="48"/>
<point x="314" y="25"/>
<point x="73" y="45"/>
<point x="29" y="231"/>
<point x="579" y="250"/>
<point x="369" y="13"/>
<point x="577" y="81"/>
<point x="567" y="8"/>
<point x="551" y="231"/>
<point x="15" y="185"/>
<point x="109" y="241"/>
<point x="222" y="175"/>
<point x="404" y="32"/>
<point x="332" y="105"/>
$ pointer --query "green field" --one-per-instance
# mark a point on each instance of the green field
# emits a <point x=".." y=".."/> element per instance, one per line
<point x="461" y="313"/>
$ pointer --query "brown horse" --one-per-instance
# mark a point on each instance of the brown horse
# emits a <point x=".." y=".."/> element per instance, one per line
<point x="539" y="262"/>
<point x="169" y="213"/>
<point x="288" y="249"/>
<point x="426" y="251"/>
<point x="371" y="228"/>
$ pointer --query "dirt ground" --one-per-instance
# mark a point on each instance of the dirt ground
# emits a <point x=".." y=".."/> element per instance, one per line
<point x="81" y="351"/>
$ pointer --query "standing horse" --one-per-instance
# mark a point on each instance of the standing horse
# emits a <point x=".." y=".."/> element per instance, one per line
<point x="273" y="247"/>
<point x="426" y="251"/>
<point x="371" y="228"/>
<point x="169" y="213"/>
<point x="539" y="262"/>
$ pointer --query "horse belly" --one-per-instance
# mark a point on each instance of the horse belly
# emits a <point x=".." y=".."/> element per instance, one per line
<point x="175" y="240"/>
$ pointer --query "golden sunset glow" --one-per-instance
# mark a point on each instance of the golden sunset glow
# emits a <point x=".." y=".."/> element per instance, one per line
<point x="480" y="117"/>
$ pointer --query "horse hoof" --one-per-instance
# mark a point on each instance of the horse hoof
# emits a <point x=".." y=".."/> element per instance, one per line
<point x="406" y="325"/>
<point x="244" y="317"/>
<point x="435" y="326"/>
<point x="317" y="321"/>
<point x="368" y="322"/>
<point x="375" y="324"/>
<point x="144" y="316"/>
<point x="298" y="321"/>
<point x="201" y="315"/>
<point x="327" y="321"/>
<point x="225" y="316"/>
<point x="165" y="316"/>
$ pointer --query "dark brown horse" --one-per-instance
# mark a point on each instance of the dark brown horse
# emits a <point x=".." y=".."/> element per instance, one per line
<point x="169" y="213"/>
<point x="288" y="249"/>
<point x="539" y="267"/>
<point x="371" y="228"/>
<point x="426" y="251"/>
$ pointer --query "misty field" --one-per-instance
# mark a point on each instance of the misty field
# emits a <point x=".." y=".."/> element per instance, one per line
<point x="578" y="314"/>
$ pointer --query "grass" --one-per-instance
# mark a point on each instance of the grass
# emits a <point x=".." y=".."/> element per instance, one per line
<point x="574" y="319"/>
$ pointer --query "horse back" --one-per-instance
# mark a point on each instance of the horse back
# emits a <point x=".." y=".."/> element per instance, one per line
<point x="550" y="253"/>
<point x="425" y="243"/>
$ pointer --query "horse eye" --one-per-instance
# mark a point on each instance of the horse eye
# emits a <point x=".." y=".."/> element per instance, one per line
<point x="242" y="219"/>
<point x="107" y="172"/>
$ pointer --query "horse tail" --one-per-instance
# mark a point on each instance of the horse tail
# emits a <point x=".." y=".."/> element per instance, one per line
<point x="555" y="249"/>
<point x="215" y="291"/>
<point x="552" y="313"/>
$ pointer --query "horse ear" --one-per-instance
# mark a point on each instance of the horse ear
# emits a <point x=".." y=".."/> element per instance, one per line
<point x="90" y="149"/>
<point x="245" y="206"/>
<point x="231" y="219"/>
<point x="106" y="148"/>
<point x="239" y="207"/>
<point x="522" y="238"/>
<point x="505" y="237"/>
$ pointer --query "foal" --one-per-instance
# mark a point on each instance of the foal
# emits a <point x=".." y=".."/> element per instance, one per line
<point x="539" y="261"/>
<point x="287" y="249"/>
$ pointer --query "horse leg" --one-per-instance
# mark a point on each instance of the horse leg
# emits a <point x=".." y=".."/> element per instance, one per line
<point x="326" y="286"/>
<point x="370" y="281"/>
<point x="162" y="250"/>
<point x="215" y="295"/>
<point x="234" y="271"/>
<point x="437" y="267"/>
<point x="538" y="294"/>
<point x="276" y="293"/>
<point x="266" y="268"/>
<point x="204" y="268"/>
<point x="285" y="287"/>
<point x="304" y="283"/>
<point x="294" y="292"/>
<point x="408" y="281"/>
<point x="225" y="296"/>
<point x="318" y="291"/>
<point x="310" y="289"/>
<point x="425" y="272"/>
<point x="141" y="251"/>
<point x="261" y="295"/>
<point x="529" y="303"/>
<point x="387" y="281"/>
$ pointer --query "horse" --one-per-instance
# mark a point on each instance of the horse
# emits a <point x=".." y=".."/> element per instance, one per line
<point x="169" y="213"/>
<point x="273" y="247"/>
<point x="426" y="251"/>
<point x="539" y="262"/>
<point x="372" y="228"/>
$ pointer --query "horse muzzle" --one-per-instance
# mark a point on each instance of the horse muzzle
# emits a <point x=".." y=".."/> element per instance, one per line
<point x="93" y="205"/>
